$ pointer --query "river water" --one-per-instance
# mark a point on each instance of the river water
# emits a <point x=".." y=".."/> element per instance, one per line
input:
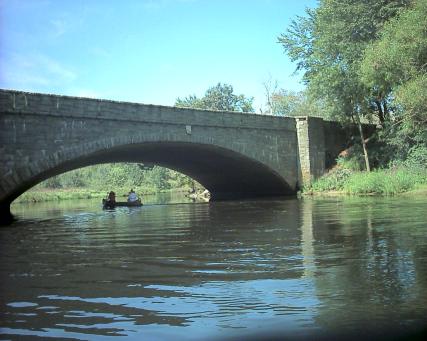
<point x="231" y="270"/>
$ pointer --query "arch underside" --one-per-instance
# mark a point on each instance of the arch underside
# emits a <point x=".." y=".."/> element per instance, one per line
<point x="226" y="174"/>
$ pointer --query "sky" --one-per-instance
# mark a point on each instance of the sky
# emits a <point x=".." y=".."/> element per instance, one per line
<point x="146" y="51"/>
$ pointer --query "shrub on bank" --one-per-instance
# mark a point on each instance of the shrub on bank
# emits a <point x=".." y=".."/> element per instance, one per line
<point x="378" y="182"/>
<point x="333" y="181"/>
<point x="386" y="182"/>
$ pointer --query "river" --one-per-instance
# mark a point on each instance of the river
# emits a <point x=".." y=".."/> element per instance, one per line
<point x="227" y="270"/>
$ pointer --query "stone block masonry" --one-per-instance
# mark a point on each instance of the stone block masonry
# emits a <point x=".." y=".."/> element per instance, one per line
<point x="311" y="149"/>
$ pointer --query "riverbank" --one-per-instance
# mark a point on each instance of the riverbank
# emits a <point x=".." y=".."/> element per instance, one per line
<point x="382" y="182"/>
<point x="419" y="192"/>
<point x="339" y="181"/>
<point x="47" y="194"/>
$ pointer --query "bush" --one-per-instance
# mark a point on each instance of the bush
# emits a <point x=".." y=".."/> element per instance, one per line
<point x="385" y="182"/>
<point x="333" y="181"/>
<point x="392" y="181"/>
<point x="417" y="157"/>
<point x="352" y="162"/>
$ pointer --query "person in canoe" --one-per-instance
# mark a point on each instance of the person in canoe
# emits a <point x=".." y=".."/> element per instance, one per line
<point x="111" y="199"/>
<point x="132" y="197"/>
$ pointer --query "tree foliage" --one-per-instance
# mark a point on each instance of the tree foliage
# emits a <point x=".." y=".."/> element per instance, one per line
<point x="350" y="52"/>
<point x="294" y="103"/>
<point x="329" y="44"/>
<point x="395" y="66"/>
<point x="286" y="103"/>
<point x="219" y="97"/>
<point x="121" y="175"/>
<point x="282" y="102"/>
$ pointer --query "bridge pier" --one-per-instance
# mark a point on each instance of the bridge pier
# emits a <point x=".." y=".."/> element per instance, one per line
<point x="311" y="149"/>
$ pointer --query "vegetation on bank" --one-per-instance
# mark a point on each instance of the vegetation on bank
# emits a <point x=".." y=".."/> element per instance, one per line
<point x="38" y="194"/>
<point x="401" y="177"/>
<point x="96" y="181"/>
<point x="376" y="182"/>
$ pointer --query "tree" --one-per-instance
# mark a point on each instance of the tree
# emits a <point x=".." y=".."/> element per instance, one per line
<point x="280" y="102"/>
<point x="328" y="45"/>
<point x="286" y="103"/>
<point x="220" y="97"/>
<point x="395" y="67"/>
<point x="190" y="102"/>
<point x="283" y="102"/>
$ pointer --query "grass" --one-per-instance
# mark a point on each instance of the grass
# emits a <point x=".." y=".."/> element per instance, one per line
<point x="419" y="191"/>
<point x="38" y="195"/>
<point x="333" y="181"/>
<point x="384" y="182"/>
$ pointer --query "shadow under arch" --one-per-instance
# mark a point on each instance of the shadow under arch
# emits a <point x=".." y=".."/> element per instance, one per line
<point x="225" y="173"/>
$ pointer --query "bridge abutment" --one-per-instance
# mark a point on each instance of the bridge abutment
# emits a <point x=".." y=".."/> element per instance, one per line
<point x="5" y="216"/>
<point x="311" y="149"/>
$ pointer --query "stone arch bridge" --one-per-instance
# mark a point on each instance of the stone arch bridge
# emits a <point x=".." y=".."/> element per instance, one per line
<point x="234" y="155"/>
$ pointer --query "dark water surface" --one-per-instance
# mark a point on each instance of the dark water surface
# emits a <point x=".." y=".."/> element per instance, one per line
<point x="197" y="271"/>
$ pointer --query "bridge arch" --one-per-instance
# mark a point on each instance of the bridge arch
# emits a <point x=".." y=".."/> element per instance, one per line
<point x="227" y="174"/>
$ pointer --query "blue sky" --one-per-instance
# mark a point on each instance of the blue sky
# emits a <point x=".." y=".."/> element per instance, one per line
<point x="147" y="51"/>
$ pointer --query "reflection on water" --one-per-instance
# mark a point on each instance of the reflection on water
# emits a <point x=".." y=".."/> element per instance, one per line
<point x="214" y="270"/>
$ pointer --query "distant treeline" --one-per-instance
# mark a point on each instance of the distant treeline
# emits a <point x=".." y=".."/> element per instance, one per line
<point x="111" y="176"/>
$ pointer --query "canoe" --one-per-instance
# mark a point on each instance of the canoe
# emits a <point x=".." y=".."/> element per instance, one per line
<point x="107" y="204"/>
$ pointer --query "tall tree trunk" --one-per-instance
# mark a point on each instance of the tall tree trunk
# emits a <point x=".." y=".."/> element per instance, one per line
<point x="380" y="112"/>
<point x="365" y="149"/>
<point x="385" y="110"/>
